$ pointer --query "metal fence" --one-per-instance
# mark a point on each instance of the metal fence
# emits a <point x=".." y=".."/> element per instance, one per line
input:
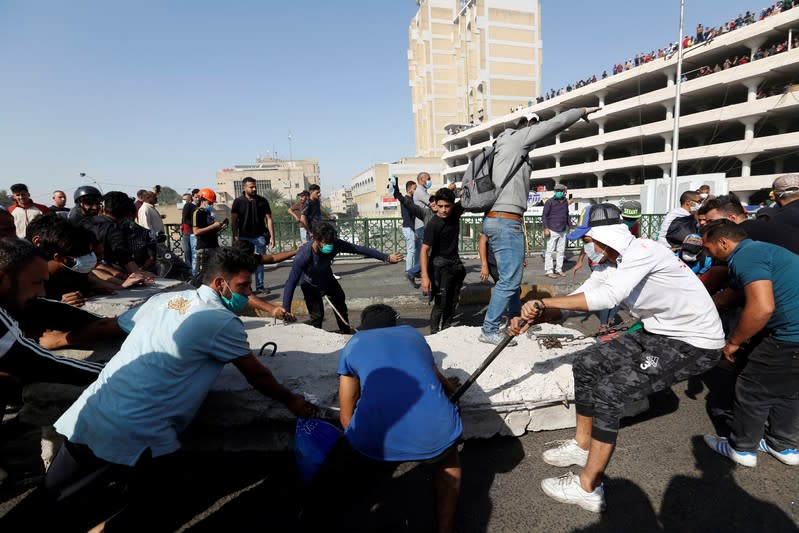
<point x="385" y="234"/>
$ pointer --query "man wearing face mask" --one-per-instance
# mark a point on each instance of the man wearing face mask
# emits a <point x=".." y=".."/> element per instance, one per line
<point x="126" y="428"/>
<point x="206" y="229"/>
<point x="681" y="336"/>
<point x="690" y="202"/>
<point x="311" y="270"/>
<point x="556" y="222"/>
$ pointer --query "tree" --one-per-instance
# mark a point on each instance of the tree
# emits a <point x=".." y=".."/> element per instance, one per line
<point x="169" y="196"/>
<point x="5" y="199"/>
<point x="279" y="205"/>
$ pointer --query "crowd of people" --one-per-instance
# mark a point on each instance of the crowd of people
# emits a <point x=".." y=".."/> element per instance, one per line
<point x="703" y="35"/>
<point x="713" y="293"/>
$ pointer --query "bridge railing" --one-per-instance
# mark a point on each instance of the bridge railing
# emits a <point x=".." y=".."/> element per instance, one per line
<point x="385" y="234"/>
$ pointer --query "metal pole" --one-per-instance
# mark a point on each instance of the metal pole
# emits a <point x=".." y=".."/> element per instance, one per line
<point x="675" y="145"/>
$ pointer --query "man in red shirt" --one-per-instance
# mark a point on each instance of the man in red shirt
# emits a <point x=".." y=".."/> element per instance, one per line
<point x="24" y="210"/>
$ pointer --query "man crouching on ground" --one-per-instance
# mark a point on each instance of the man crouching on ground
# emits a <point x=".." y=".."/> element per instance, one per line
<point x="403" y="414"/>
<point x="681" y="337"/>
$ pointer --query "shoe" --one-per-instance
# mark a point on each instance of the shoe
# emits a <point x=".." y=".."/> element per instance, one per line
<point x="566" y="453"/>
<point x="412" y="280"/>
<point x="561" y="274"/>
<point x="261" y="290"/>
<point x="567" y="489"/>
<point x="551" y="275"/>
<point x="789" y="456"/>
<point x="336" y="276"/>
<point x="495" y="338"/>
<point x="722" y="446"/>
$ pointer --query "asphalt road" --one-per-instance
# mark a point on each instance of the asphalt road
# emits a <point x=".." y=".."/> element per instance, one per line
<point x="662" y="477"/>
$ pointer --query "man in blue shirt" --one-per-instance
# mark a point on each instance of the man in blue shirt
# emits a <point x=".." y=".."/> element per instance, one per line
<point x="767" y="388"/>
<point x="394" y="408"/>
<point x="125" y="427"/>
<point x="311" y="269"/>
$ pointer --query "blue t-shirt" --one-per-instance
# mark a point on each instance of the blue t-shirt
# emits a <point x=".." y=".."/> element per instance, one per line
<point x="152" y="388"/>
<point x="755" y="261"/>
<point x="403" y="413"/>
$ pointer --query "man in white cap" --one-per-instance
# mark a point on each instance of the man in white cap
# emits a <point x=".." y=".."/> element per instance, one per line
<point x="681" y="336"/>
<point x="786" y="193"/>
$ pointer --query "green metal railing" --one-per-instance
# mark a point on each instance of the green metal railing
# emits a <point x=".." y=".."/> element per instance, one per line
<point x="385" y="234"/>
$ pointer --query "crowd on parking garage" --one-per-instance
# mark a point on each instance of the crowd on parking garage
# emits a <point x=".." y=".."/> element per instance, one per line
<point x="704" y="34"/>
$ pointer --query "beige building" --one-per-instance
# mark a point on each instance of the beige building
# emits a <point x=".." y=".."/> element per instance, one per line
<point x="369" y="188"/>
<point x="470" y="61"/>
<point x="290" y="177"/>
<point x="340" y="202"/>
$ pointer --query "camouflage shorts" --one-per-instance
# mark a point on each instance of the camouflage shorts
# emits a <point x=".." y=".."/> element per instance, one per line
<point x="628" y="369"/>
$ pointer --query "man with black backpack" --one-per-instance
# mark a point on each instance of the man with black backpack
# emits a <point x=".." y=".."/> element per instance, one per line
<point x="503" y="223"/>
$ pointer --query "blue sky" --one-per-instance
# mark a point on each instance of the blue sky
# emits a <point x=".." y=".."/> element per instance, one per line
<point x="166" y="92"/>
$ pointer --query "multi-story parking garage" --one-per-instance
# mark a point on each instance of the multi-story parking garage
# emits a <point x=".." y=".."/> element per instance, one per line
<point x="740" y="121"/>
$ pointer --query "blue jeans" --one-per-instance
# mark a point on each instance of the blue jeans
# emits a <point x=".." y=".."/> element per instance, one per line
<point x="193" y="254"/>
<point x="260" y="249"/>
<point x="410" y="249"/>
<point x="185" y="244"/>
<point x="417" y="266"/>
<point x="506" y="239"/>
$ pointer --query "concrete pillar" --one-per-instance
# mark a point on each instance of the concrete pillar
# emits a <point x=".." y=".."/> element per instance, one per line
<point x="601" y="96"/>
<point x="746" y="165"/>
<point x="600" y="152"/>
<point x="599" y="177"/>
<point x="666" y="170"/>
<point x="667" y="138"/>
<point x="557" y="161"/>
<point x="669" y="111"/>
<point x="671" y="76"/>
<point x="600" y="122"/>
<point x="751" y="87"/>
<point x="749" y="124"/>
<point x="557" y="138"/>
<point x="753" y="44"/>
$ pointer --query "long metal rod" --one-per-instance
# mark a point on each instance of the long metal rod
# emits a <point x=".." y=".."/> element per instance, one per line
<point x="488" y="360"/>
<point x="337" y="313"/>
<point x="675" y="140"/>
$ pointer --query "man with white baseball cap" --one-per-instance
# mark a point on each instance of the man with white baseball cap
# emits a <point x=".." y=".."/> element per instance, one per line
<point x="681" y="337"/>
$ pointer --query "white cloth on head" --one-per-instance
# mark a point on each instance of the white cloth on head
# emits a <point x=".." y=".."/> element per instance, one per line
<point x="656" y="287"/>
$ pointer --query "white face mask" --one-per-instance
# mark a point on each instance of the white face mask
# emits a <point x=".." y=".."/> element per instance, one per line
<point x="592" y="254"/>
<point x="84" y="264"/>
<point x="703" y="195"/>
<point x="695" y="207"/>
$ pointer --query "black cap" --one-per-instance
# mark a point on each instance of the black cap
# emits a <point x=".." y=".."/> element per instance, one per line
<point x="604" y="215"/>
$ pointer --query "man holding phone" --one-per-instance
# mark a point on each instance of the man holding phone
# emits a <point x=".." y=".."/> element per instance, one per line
<point x="206" y="229"/>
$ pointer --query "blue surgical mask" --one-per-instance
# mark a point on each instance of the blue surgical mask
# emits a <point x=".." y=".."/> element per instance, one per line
<point x="326" y="249"/>
<point x="592" y="254"/>
<point x="629" y="222"/>
<point x="236" y="302"/>
<point x="84" y="264"/>
<point x="559" y="195"/>
<point x="428" y="184"/>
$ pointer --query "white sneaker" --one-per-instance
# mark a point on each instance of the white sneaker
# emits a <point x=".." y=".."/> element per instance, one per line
<point x="567" y="453"/>
<point x="567" y="489"/>
<point x="722" y="446"/>
<point x="789" y="456"/>
<point x="336" y="276"/>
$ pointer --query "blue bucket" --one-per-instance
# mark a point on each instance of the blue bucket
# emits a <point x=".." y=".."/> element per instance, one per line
<point x="313" y="438"/>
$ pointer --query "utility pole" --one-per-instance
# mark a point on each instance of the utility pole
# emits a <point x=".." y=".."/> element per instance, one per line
<point x="675" y="145"/>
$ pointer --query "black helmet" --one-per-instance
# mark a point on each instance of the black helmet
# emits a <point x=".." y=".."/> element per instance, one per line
<point x="86" y="190"/>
